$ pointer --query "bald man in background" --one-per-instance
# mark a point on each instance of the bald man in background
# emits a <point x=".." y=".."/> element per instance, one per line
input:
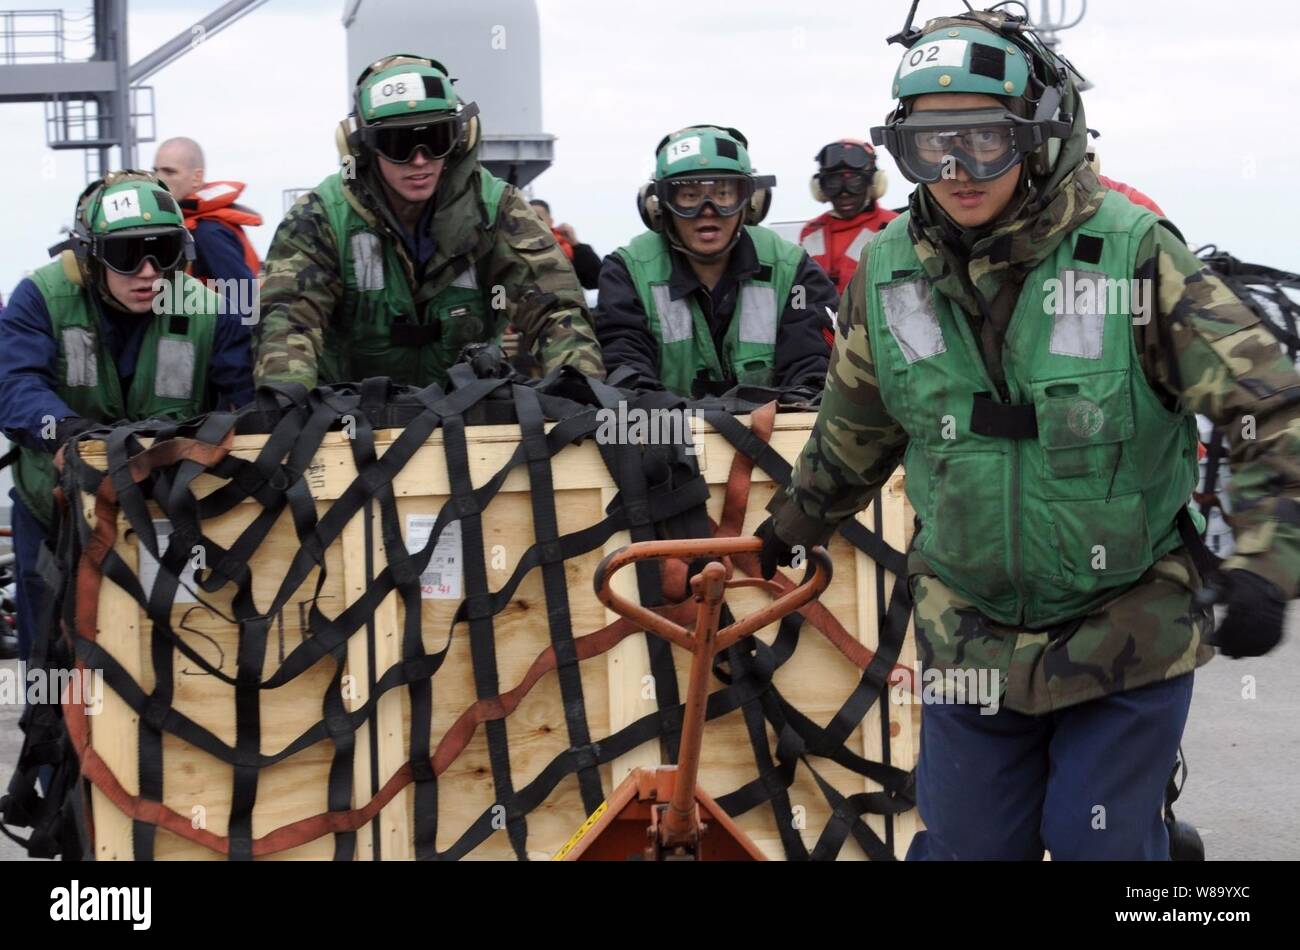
<point x="222" y="249"/>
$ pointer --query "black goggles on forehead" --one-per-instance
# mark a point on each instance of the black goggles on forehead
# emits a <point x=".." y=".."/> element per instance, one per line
<point x="127" y="253"/>
<point x="845" y="155"/>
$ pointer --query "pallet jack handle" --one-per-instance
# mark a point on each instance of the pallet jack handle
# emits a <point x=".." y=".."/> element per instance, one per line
<point x="680" y="824"/>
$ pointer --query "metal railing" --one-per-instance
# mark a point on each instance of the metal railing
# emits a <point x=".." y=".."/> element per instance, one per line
<point x="22" y="41"/>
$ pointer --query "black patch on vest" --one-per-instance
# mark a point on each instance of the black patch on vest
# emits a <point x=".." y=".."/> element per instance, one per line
<point x="178" y="325"/>
<point x="1088" y="249"/>
<point x="764" y="273"/>
<point x="414" y="334"/>
<point x="988" y="61"/>
<point x="726" y="148"/>
<point x="433" y="88"/>
<point x="899" y="274"/>
<point x="1000" y="250"/>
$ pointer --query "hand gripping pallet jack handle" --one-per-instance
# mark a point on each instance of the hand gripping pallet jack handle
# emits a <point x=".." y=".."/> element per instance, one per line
<point x="676" y="828"/>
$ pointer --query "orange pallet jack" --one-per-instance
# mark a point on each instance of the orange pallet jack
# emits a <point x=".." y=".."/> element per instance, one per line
<point x="661" y="814"/>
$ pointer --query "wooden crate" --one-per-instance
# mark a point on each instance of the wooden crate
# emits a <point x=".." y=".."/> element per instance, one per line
<point x="615" y="685"/>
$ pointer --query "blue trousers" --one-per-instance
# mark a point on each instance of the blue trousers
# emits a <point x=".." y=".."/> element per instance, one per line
<point x="29" y="589"/>
<point x="1085" y="783"/>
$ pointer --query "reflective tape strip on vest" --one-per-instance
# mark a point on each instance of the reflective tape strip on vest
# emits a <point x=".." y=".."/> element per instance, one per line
<point x="815" y="243"/>
<point x="1034" y="530"/>
<point x="854" y="252"/>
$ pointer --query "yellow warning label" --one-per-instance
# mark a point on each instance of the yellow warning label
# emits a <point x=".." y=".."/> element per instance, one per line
<point x="578" y="835"/>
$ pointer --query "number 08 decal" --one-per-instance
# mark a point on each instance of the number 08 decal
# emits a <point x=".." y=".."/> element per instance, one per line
<point x="404" y="87"/>
<point x="939" y="53"/>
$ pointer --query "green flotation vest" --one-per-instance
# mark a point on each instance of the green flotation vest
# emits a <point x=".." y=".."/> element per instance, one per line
<point x="1034" y="527"/>
<point x="686" y="350"/>
<point x="384" y="330"/>
<point x="171" y="373"/>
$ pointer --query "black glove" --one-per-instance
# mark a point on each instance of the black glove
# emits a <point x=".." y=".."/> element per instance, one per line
<point x="1256" y="613"/>
<point x="68" y="429"/>
<point x="775" y="551"/>
<point x="486" y="359"/>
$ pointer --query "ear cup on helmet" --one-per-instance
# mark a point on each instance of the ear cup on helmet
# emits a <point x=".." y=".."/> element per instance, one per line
<point x="647" y="206"/>
<point x="879" y="185"/>
<point x="759" y="204"/>
<point x="469" y="135"/>
<point x="815" y="186"/>
<point x="71" y="267"/>
<point x="345" y="141"/>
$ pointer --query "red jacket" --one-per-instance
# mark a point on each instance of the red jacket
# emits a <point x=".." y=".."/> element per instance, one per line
<point x="837" y="243"/>
<point x="1131" y="193"/>
<point x="215" y="201"/>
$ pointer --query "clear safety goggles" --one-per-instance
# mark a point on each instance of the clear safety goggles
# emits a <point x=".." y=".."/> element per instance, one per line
<point x="929" y="146"/>
<point x="687" y="197"/>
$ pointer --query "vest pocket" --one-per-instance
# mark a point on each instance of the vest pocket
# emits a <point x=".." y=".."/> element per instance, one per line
<point x="1101" y="543"/>
<point x="462" y="324"/>
<point x="1080" y="420"/>
<point x="965" y="532"/>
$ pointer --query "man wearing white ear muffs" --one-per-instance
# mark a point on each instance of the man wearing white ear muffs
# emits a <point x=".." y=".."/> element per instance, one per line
<point x="848" y="180"/>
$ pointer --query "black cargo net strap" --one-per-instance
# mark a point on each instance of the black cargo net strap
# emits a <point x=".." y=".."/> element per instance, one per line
<point x="651" y="491"/>
<point x="799" y="736"/>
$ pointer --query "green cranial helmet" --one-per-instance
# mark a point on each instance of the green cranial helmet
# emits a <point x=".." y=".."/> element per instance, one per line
<point x="122" y="221"/>
<point x="989" y="53"/>
<point x="404" y="88"/>
<point x="962" y="59"/>
<point x="128" y="201"/>
<point x="405" y="104"/>
<point x="702" y="150"/>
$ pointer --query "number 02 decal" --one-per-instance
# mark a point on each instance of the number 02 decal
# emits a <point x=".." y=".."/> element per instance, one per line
<point x="939" y="53"/>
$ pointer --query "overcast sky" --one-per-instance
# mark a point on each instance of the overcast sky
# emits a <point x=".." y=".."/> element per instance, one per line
<point x="1194" y="101"/>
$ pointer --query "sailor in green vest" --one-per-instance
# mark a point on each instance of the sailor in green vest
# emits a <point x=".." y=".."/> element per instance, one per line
<point x="413" y="251"/>
<point x="706" y="299"/>
<point x="1033" y="347"/>
<point x="113" y="330"/>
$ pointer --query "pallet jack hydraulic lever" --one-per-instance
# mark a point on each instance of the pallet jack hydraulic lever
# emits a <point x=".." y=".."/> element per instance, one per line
<point x="656" y="814"/>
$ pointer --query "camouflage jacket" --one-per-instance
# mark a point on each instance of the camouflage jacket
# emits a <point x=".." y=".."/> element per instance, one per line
<point x="1203" y="351"/>
<point x="303" y="290"/>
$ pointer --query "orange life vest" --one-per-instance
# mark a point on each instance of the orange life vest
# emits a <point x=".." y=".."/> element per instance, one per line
<point x="837" y="243"/>
<point x="1131" y="193"/>
<point x="565" y="246"/>
<point x="215" y="201"/>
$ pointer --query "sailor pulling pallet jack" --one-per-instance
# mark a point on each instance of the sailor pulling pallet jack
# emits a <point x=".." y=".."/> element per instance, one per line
<point x="1049" y="452"/>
